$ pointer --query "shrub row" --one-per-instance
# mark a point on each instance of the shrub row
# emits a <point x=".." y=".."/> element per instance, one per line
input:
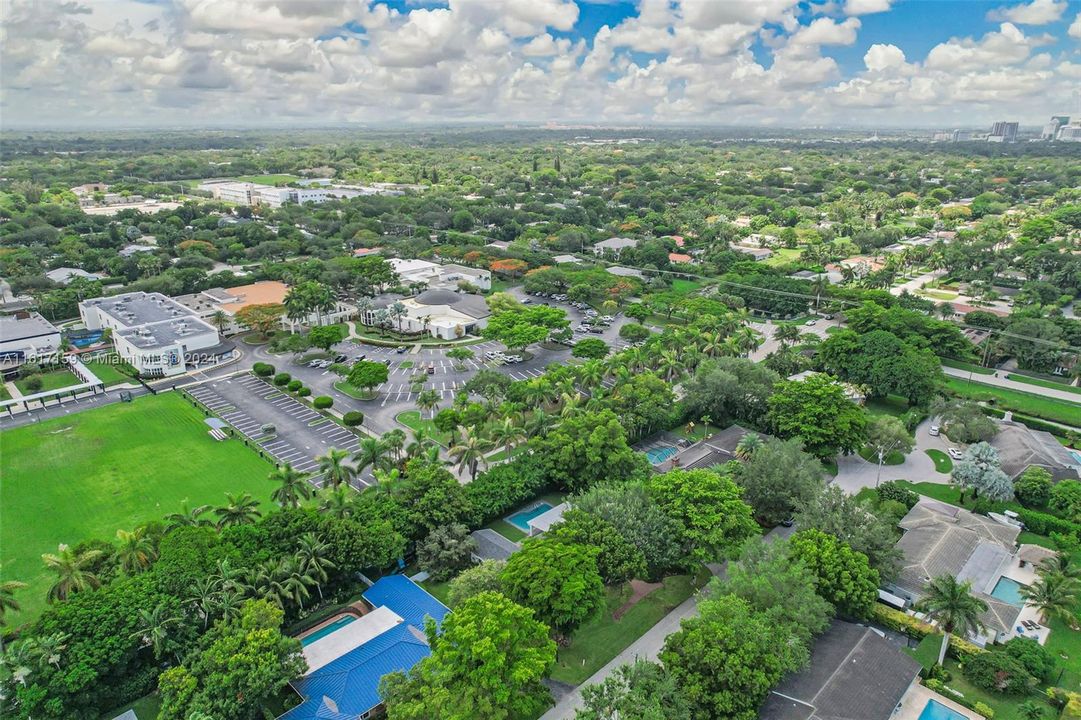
<point x="1037" y="424"/>
<point x="959" y="648"/>
<point x="262" y="369"/>
<point x="939" y="687"/>
<point x="1043" y="523"/>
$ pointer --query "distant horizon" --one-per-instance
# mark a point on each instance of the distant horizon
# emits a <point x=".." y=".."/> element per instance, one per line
<point x="735" y="63"/>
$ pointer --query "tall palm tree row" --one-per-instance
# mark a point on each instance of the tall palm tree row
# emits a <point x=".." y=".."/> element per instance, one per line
<point x="72" y="570"/>
<point x="293" y="486"/>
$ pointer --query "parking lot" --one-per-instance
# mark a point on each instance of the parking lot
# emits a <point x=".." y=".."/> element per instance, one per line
<point x="247" y="403"/>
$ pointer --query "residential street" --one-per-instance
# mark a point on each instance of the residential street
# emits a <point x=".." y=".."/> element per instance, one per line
<point x="1004" y="382"/>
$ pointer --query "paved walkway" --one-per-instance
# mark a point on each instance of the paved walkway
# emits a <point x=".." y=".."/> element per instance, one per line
<point x="917" y="282"/>
<point x="1004" y="382"/>
<point x="854" y="473"/>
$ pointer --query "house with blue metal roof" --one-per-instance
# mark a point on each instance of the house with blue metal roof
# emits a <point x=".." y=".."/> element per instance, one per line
<point x="345" y="666"/>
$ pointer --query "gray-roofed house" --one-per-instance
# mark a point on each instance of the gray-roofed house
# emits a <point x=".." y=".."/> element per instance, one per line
<point x="941" y="539"/>
<point x="1020" y="447"/>
<point x="854" y="674"/>
<point x="64" y="275"/>
<point x="619" y="271"/>
<point x="757" y="254"/>
<point x="615" y="245"/>
<point x="492" y="546"/>
<point x="566" y="260"/>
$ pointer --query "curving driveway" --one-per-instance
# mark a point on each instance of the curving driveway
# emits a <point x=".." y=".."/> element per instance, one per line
<point x="854" y="473"/>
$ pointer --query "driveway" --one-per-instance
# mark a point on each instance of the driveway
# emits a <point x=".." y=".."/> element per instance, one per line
<point x="769" y="328"/>
<point x="854" y="473"/>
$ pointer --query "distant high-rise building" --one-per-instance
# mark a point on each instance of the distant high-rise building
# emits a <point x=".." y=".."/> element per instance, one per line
<point x="1003" y="132"/>
<point x="961" y="135"/>
<point x="1070" y="133"/>
<point x="1050" y="130"/>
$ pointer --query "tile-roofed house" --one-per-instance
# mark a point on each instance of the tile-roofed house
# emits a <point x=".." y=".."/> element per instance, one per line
<point x="854" y="674"/>
<point x="680" y="258"/>
<point x="616" y="245"/>
<point x="941" y="539"/>
<point x="1019" y="447"/>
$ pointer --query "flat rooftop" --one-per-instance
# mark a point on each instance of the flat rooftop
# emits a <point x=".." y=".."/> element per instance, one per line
<point x="166" y="332"/>
<point x="331" y="647"/>
<point x="141" y="308"/>
<point x="23" y="328"/>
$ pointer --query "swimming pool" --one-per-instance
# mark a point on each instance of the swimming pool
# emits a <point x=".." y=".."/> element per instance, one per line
<point x="1076" y="456"/>
<point x="935" y="710"/>
<point x="521" y="518"/>
<point x="658" y="455"/>
<point x="1008" y="590"/>
<point x="327" y="629"/>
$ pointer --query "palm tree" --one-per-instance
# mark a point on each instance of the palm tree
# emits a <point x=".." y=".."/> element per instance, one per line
<point x="298" y="306"/>
<point x="293" y="486"/>
<point x="336" y="502"/>
<point x="394" y="440"/>
<point x="71" y="570"/>
<point x="154" y="628"/>
<point x="786" y="334"/>
<point x="470" y="450"/>
<point x="538" y="423"/>
<point x="506" y="433"/>
<point x="428" y="400"/>
<point x="204" y="593"/>
<point x="422" y="441"/>
<point x="1059" y="564"/>
<point x="220" y="320"/>
<point x="370" y="453"/>
<point x="1054" y="595"/>
<point x="334" y="468"/>
<point x="7" y="598"/>
<point x="953" y="606"/>
<point x="227" y="604"/>
<point x="293" y="580"/>
<point x="264" y="583"/>
<point x="748" y="445"/>
<point x="136" y="551"/>
<point x="312" y="554"/>
<point x="387" y="483"/>
<point x="238" y="510"/>
<point x="188" y="518"/>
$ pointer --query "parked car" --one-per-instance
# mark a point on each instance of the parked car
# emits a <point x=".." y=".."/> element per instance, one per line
<point x="431" y="368"/>
<point x="955" y="453"/>
<point x="809" y="322"/>
<point x="400" y="350"/>
<point x="526" y="301"/>
<point x="340" y="358"/>
<point x="934" y="431"/>
<point x="596" y="329"/>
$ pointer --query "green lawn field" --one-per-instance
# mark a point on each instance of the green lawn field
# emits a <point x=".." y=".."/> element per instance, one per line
<point x="51" y="380"/>
<point x="279" y="179"/>
<point x="89" y="474"/>
<point x="1025" y="403"/>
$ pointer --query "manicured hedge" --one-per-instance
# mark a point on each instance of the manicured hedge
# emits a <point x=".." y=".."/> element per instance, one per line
<point x="262" y="369"/>
<point x="323" y="402"/>
<point x="304" y="391"/>
<point x="354" y="418"/>
<point x="282" y="379"/>
<point x="1043" y="523"/>
<point x="504" y="487"/>
<point x="294" y="385"/>
<point x="959" y="649"/>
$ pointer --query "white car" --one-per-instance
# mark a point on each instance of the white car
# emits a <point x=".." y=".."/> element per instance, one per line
<point x="809" y="323"/>
<point x="934" y="431"/>
<point x="955" y="453"/>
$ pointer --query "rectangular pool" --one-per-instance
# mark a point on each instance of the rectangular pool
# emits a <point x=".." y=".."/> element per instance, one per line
<point x="521" y="518"/>
<point x="1009" y="591"/>
<point x="935" y="710"/>
<point x="327" y="629"/>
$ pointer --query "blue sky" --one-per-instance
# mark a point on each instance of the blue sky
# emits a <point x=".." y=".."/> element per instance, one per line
<point x="920" y="63"/>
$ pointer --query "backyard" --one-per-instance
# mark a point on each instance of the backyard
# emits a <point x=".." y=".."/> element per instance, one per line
<point x="89" y="474"/>
<point x="110" y="369"/>
<point x="603" y="637"/>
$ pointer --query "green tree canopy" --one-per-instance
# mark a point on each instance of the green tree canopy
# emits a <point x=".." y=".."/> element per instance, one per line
<point x="558" y="580"/>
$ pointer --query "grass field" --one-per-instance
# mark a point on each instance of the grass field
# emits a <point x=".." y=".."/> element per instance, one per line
<point x="51" y="380"/>
<point x="108" y="370"/>
<point x="280" y="179"/>
<point x="353" y="392"/>
<point x="685" y="286"/>
<point x="89" y="474"/>
<point x="783" y="256"/>
<point x="1022" y="402"/>
<point x="889" y="405"/>
<point x="894" y="458"/>
<point x="942" y="461"/>
<point x="412" y="420"/>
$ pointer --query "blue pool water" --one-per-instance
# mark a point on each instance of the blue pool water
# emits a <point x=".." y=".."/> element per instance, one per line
<point x="1009" y="591"/>
<point x="1076" y="456"/>
<point x="83" y="341"/>
<point x="658" y="455"/>
<point x="935" y="710"/>
<point x="521" y="518"/>
<point x="327" y="629"/>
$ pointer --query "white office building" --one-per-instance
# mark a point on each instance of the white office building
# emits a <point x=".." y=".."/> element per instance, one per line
<point x="244" y="193"/>
<point x="435" y="275"/>
<point x="158" y="336"/>
<point x="26" y="337"/>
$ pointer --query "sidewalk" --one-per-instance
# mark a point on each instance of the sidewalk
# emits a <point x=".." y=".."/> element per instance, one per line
<point x="1006" y="383"/>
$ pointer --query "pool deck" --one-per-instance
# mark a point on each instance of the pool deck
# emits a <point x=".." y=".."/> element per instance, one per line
<point x="357" y="610"/>
<point x="527" y="509"/>
<point x="915" y="700"/>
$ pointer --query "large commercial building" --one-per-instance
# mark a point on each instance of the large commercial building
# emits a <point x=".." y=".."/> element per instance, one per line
<point x="1003" y="132"/>
<point x="26" y="337"/>
<point x="434" y="275"/>
<point x="158" y="336"/>
<point x="1051" y="129"/>
<point x="245" y="193"/>
<point x="444" y="314"/>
